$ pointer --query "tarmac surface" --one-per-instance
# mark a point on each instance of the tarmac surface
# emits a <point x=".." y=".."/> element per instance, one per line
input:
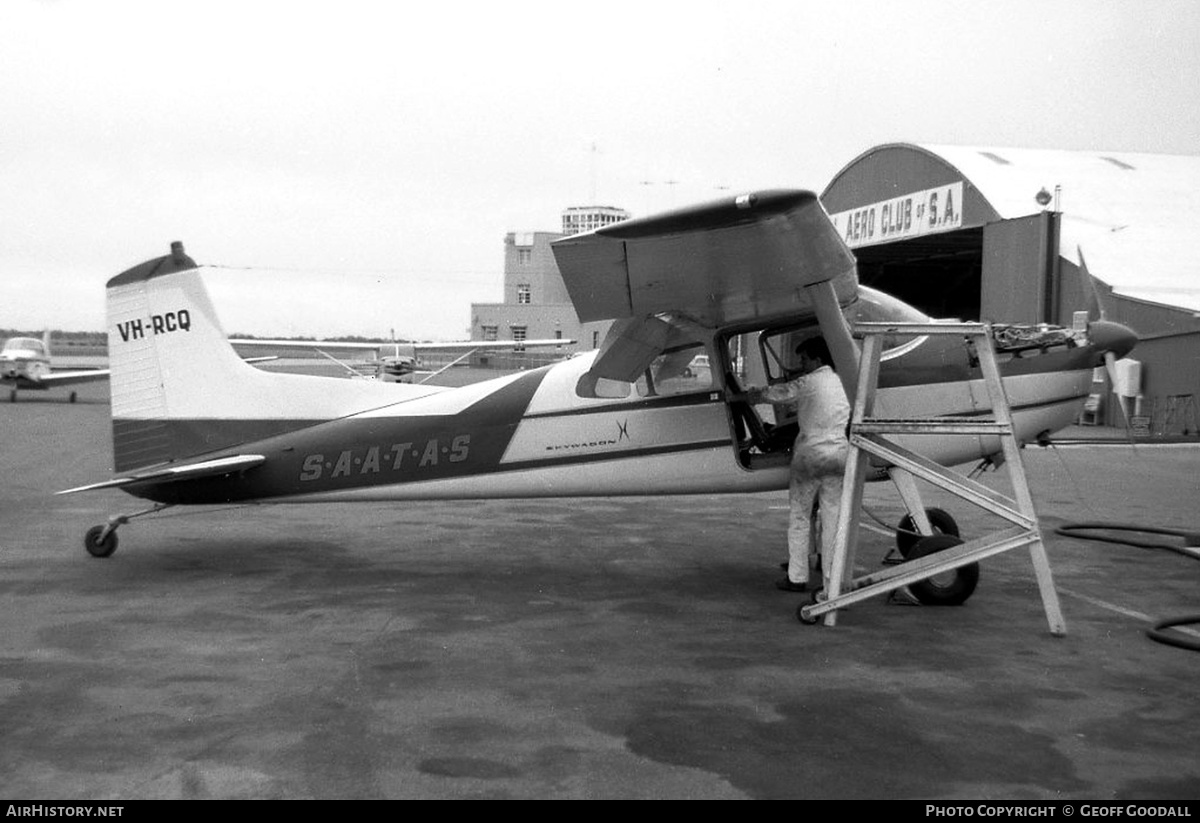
<point x="562" y="649"/>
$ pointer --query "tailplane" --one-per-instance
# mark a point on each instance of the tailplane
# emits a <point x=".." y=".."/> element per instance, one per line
<point x="179" y="389"/>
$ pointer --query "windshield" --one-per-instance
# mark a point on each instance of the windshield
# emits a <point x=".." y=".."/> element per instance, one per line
<point x="29" y="344"/>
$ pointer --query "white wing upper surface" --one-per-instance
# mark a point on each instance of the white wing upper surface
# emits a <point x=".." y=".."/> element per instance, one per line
<point x="723" y="263"/>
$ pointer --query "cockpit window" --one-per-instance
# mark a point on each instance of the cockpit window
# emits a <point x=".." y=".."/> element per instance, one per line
<point x="31" y="344"/>
<point x="878" y="307"/>
<point x="679" y="370"/>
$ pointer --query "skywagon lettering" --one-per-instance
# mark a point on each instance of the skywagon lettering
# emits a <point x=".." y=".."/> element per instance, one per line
<point x="155" y="324"/>
<point x="377" y="459"/>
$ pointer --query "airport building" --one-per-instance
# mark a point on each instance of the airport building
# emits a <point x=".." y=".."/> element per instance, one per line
<point x="536" y="304"/>
<point x="1011" y="235"/>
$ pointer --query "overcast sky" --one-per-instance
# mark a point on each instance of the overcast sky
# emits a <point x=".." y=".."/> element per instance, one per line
<point x="357" y="164"/>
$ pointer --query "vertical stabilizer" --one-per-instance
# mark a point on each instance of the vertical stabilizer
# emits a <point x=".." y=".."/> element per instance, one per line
<point x="180" y="390"/>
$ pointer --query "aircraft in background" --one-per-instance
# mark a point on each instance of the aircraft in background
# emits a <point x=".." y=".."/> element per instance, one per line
<point x="25" y="365"/>
<point x="399" y="362"/>
<point x="704" y="300"/>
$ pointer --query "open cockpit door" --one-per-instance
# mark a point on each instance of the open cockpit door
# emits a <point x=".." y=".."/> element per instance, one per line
<point x="766" y="355"/>
<point x="762" y="434"/>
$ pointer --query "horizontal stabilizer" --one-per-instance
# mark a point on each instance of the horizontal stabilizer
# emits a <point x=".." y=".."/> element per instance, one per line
<point x="209" y="468"/>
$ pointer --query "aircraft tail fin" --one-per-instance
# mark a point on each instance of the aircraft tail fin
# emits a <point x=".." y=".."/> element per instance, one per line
<point x="179" y="390"/>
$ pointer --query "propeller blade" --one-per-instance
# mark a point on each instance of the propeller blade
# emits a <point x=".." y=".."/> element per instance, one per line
<point x="1095" y="303"/>
<point x="1110" y="365"/>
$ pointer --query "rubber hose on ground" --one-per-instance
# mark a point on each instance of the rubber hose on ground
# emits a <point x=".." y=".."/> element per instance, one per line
<point x="1191" y="541"/>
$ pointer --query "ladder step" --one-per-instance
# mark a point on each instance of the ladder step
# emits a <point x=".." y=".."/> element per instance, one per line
<point x="932" y="425"/>
<point x="948" y="479"/>
<point x="912" y="571"/>
<point x="866" y="328"/>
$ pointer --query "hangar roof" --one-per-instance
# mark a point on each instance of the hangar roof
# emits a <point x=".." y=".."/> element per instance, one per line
<point x="1134" y="215"/>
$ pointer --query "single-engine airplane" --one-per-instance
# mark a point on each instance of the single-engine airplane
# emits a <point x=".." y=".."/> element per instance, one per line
<point x="704" y="299"/>
<point x="25" y="364"/>
<point x="400" y="362"/>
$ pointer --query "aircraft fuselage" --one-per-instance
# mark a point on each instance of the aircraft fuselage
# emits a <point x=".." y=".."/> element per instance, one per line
<point x="533" y="435"/>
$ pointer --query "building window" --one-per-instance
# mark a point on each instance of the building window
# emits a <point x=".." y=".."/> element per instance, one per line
<point x="489" y="333"/>
<point x="523" y="293"/>
<point x="518" y="335"/>
<point x="595" y="340"/>
<point x="524" y="256"/>
<point x="558" y="334"/>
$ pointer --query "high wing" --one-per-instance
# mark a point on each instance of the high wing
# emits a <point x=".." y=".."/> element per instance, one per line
<point x="722" y="263"/>
<point x="399" y="362"/>
<point x="68" y="378"/>
<point x="456" y="345"/>
<point x="747" y="260"/>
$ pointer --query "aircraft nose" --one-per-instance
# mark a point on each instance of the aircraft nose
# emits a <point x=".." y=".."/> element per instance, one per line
<point x="1107" y="336"/>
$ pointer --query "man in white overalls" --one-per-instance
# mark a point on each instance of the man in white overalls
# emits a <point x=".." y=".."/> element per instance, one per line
<point x="818" y="455"/>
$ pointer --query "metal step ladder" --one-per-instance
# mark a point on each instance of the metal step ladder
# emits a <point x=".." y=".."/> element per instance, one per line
<point x="869" y="438"/>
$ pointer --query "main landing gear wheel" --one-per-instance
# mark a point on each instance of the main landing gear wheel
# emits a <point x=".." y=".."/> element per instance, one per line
<point x="98" y="543"/>
<point x="906" y="531"/>
<point x="73" y="397"/>
<point x="950" y="588"/>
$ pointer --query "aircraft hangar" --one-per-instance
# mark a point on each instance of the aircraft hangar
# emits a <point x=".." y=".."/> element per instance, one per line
<point x="999" y="234"/>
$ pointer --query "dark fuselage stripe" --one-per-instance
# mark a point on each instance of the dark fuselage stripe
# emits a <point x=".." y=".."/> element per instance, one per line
<point x="360" y="453"/>
<point x="655" y="402"/>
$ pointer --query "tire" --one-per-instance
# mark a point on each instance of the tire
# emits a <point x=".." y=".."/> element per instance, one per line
<point x="950" y="588"/>
<point x="906" y="536"/>
<point x="97" y="547"/>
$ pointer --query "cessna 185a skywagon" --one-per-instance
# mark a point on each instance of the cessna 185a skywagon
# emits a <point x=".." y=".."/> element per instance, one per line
<point x="705" y="299"/>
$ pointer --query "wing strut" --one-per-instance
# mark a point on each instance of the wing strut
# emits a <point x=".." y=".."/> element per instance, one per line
<point x="837" y="334"/>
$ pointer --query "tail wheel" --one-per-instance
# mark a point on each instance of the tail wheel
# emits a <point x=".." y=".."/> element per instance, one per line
<point x="950" y="588"/>
<point x="98" y="544"/>
<point x="907" y="535"/>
